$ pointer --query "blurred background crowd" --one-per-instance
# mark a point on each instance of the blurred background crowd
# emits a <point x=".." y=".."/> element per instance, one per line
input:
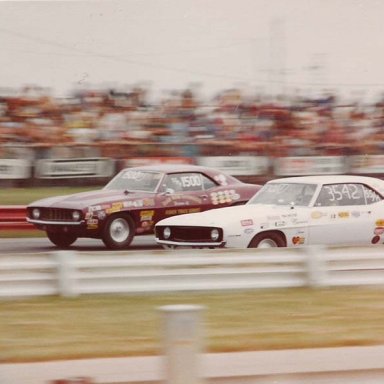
<point x="123" y="123"/>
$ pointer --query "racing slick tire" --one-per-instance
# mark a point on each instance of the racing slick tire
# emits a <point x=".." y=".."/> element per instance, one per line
<point x="61" y="240"/>
<point x="267" y="240"/>
<point x="118" y="232"/>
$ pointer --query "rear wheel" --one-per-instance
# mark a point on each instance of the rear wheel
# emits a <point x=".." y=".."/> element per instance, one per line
<point x="118" y="232"/>
<point x="61" y="240"/>
<point x="267" y="240"/>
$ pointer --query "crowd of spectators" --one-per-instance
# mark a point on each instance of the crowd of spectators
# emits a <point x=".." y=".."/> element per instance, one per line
<point x="121" y="124"/>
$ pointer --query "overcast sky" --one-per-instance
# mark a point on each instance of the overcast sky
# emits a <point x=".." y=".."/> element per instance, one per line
<point x="274" y="45"/>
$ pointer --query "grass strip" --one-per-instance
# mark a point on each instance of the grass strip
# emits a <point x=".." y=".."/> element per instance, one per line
<point x="24" y="196"/>
<point x="54" y="328"/>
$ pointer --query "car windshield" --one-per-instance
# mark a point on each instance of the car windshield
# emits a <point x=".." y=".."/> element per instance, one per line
<point x="135" y="181"/>
<point x="284" y="194"/>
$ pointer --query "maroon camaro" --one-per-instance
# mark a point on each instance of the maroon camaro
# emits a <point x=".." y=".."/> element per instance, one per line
<point x="133" y="201"/>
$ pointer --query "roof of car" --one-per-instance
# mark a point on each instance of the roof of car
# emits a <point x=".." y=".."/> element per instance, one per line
<point x="329" y="179"/>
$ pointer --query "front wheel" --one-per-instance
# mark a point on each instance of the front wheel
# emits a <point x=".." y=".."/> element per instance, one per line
<point x="61" y="240"/>
<point x="267" y="240"/>
<point x="118" y="232"/>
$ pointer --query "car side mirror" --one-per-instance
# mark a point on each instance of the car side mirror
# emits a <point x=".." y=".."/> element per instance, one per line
<point x="169" y="191"/>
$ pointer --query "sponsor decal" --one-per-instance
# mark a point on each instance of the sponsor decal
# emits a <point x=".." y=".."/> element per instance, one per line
<point x="96" y="211"/>
<point x="148" y="202"/>
<point x="223" y="197"/>
<point x="375" y="239"/>
<point x="246" y="222"/>
<point x="147" y="224"/>
<point x="94" y="208"/>
<point x="180" y="203"/>
<point x="101" y="215"/>
<point x="380" y="223"/>
<point x="115" y="207"/>
<point x="298" y="240"/>
<point x="289" y="215"/>
<point x="139" y="203"/>
<point x="379" y="231"/>
<point x="280" y="223"/>
<point x="133" y="204"/>
<point x="181" y="211"/>
<point x="181" y="200"/>
<point x="343" y="215"/>
<point x="248" y="231"/>
<point x="146" y="215"/>
<point x="317" y="215"/>
<point x="92" y="223"/>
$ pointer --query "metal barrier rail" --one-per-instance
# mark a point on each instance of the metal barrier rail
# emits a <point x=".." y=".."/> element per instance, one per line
<point x="12" y="217"/>
<point x="70" y="273"/>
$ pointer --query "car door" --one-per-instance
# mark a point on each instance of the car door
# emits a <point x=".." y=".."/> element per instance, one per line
<point x="342" y="214"/>
<point x="183" y="192"/>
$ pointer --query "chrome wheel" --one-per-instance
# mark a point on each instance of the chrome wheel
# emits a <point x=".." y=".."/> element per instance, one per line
<point x="267" y="243"/>
<point x="119" y="230"/>
<point x="269" y="239"/>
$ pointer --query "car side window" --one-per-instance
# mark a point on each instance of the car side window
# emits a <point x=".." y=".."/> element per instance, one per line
<point x="341" y="195"/>
<point x="371" y="196"/>
<point x="183" y="182"/>
<point x="207" y="182"/>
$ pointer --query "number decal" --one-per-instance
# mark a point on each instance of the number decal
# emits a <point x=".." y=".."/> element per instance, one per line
<point x="346" y="192"/>
<point x="355" y="192"/>
<point x="330" y="192"/>
<point x="191" y="181"/>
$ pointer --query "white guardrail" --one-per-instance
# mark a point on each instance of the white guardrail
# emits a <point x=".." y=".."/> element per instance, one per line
<point x="70" y="273"/>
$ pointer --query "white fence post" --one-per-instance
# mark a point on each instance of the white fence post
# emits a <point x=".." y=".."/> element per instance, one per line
<point x="316" y="266"/>
<point x="66" y="270"/>
<point x="182" y="332"/>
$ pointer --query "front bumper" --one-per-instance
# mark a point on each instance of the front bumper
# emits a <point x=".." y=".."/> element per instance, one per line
<point x="193" y="244"/>
<point x="55" y="223"/>
<point x="78" y="228"/>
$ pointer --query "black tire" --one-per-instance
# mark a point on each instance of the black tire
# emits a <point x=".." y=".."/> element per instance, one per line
<point x="268" y="240"/>
<point x="61" y="240"/>
<point x="118" y="232"/>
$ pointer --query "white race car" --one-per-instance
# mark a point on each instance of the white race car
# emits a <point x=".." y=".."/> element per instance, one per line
<point x="295" y="211"/>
